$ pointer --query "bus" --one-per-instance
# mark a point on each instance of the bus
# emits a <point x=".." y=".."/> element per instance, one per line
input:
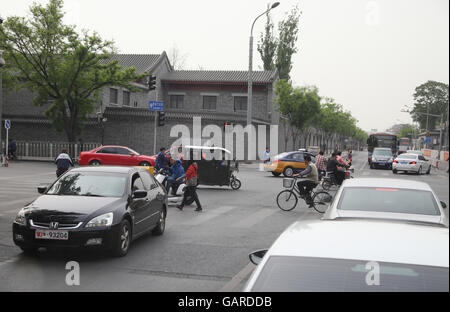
<point x="381" y="140"/>
<point x="404" y="144"/>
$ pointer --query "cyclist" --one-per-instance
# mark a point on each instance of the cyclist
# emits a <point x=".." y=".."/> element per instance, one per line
<point x="312" y="179"/>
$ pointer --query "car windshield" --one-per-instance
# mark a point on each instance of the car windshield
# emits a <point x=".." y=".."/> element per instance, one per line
<point x="393" y="200"/>
<point x="403" y="156"/>
<point x="382" y="153"/>
<point x="90" y="184"/>
<point x="303" y="274"/>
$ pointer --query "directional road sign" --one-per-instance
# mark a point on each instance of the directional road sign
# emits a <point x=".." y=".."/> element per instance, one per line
<point x="7" y="124"/>
<point x="156" y="106"/>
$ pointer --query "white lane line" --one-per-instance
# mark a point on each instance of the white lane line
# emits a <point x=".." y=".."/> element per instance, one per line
<point x="255" y="218"/>
<point x="365" y="173"/>
<point x="363" y="165"/>
<point x="238" y="278"/>
<point x="207" y="215"/>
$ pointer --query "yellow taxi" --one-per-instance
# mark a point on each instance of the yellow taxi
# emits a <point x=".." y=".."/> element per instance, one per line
<point x="150" y="169"/>
<point x="287" y="163"/>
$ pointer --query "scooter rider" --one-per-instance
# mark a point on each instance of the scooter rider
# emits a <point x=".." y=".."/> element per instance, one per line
<point x="177" y="171"/>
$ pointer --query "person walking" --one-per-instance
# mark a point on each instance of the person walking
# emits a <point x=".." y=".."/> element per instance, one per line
<point x="12" y="148"/>
<point x="321" y="163"/>
<point x="266" y="158"/>
<point x="191" y="176"/>
<point x="63" y="161"/>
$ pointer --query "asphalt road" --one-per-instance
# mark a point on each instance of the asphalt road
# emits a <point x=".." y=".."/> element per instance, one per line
<point x="205" y="251"/>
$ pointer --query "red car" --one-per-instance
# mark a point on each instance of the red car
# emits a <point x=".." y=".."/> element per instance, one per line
<point x="114" y="155"/>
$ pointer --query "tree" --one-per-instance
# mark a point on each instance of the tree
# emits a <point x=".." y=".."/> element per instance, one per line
<point x="267" y="45"/>
<point x="66" y="70"/>
<point x="177" y="59"/>
<point x="408" y="131"/>
<point x="433" y="95"/>
<point x="277" y="53"/>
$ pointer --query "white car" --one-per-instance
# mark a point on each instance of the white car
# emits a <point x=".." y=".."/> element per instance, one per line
<point x="410" y="162"/>
<point x="390" y="199"/>
<point x="354" y="255"/>
<point x="414" y="152"/>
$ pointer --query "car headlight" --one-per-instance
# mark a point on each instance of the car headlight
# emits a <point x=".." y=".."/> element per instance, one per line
<point x="391" y="159"/>
<point x="374" y="159"/>
<point x="101" y="221"/>
<point x="20" y="218"/>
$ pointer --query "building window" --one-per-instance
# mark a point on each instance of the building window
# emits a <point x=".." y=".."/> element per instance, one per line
<point x="209" y="102"/>
<point x="240" y="103"/>
<point x="135" y="104"/>
<point x="126" y="98"/>
<point x="176" y="101"/>
<point x="113" y="96"/>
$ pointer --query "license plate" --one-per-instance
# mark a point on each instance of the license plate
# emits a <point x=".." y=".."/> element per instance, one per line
<point x="56" y="235"/>
<point x="381" y="163"/>
<point x="404" y="163"/>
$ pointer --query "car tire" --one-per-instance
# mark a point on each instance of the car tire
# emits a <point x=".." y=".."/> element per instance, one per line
<point x="394" y="171"/>
<point x="371" y="166"/>
<point x="145" y="163"/>
<point x="288" y="172"/>
<point x="161" y="225"/>
<point x="419" y="172"/>
<point x="429" y="169"/>
<point x="123" y="239"/>
<point x="95" y="162"/>
<point x="276" y="174"/>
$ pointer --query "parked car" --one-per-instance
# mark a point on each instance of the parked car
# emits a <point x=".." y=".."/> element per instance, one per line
<point x="287" y="163"/>
<point x="104" y="207"/>
<point x="354" y="255"/>
<point x="381" y="157"/>
<point x="114" y="155"/>
<point x="392" y="199"/>
<point x="411" y="163"/>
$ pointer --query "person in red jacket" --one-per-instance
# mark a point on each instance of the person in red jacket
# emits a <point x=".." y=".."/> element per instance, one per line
<point x="191" y="176"/>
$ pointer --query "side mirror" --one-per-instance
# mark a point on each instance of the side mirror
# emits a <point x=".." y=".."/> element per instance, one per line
<point x="132" y="154"/>
<point x="257" y="256"/>
<point x="139" y="194"/>
<point x="444" y="205"/>
<point x="42" y="188"/>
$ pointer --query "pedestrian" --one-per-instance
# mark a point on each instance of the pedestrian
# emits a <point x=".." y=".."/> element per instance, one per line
<point x="266" y="158"/>
<point x="191" y="176"/>
<point x="176" y="171"/>
<point x="161" y="161"/>
<point x="12" y="147"/>
<point x="63" y="161"/>
<point x="321" y="163"/>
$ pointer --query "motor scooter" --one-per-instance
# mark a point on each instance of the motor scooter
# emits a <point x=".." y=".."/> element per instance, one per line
<point x="176" y="190"/>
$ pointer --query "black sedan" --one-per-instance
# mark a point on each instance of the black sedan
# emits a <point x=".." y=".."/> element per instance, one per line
<point x="95" y="206"/>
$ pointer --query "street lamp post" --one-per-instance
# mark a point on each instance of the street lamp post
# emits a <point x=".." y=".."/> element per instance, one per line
<point x="250" y="68"/>
<point x="2" y="62"/>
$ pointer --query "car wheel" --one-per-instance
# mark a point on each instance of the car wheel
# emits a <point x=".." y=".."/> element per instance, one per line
<point x="419" y="171"/>
<point x="145" y="163"/>
<point x="429" y="169"/>
<point x="371" y="166"/>
<point x="276" y="174"/>
<point x="394" y="171"/>
<point x="123" y="239"/>
<point x="161" y="225"/>
<point x="95" y="163"/>
<point x="288" y="172"/>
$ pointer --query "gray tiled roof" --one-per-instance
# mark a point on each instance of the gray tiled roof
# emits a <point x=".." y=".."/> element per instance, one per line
<point x="142" y="62"/>
<point x="218" y="76"/>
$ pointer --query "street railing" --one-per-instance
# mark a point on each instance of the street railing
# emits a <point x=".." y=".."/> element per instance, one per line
<point x="50" y="150"/>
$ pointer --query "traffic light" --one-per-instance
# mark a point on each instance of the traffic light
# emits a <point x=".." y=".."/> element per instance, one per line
<point x="152" y="82"/>
<point x="161" y="119"/>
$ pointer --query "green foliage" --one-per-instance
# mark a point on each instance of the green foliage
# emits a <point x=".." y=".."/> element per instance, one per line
<point x="277" y="53"/>
<point x="408" y="131"/>
<point x="65" y="69"/>
<point x="434" y="95"/>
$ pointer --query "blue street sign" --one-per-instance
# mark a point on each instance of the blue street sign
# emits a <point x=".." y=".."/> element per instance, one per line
<point x="7" y="124"/>
<point x="156" y="106"/>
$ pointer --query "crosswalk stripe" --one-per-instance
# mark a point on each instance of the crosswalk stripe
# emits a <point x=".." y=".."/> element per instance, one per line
<point x="208" y="215"/>
<point x="255" y="218"/>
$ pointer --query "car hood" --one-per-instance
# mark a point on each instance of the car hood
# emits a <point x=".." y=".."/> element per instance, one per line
<point x="68" y="209"/>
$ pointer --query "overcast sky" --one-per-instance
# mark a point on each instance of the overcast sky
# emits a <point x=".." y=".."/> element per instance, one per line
<point x="367" y="55"/>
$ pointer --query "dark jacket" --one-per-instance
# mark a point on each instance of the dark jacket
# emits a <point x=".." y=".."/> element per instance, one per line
<point x="63" y="161"/>
<point x="161" y="161"/>
<point x="177" y="169"/>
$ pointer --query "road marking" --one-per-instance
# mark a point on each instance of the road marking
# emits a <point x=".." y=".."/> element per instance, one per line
<point x="28" y="176"/>
<point x="238" y="278"/>
<point x="208" y="215"/>
<point x="255" y="218"/>
<point x="365" y="173"/>
<point x="364" y="164"/>
<point x="17" y="201"/>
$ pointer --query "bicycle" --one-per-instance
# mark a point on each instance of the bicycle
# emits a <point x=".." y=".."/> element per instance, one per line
<point x="288" y="199"/>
